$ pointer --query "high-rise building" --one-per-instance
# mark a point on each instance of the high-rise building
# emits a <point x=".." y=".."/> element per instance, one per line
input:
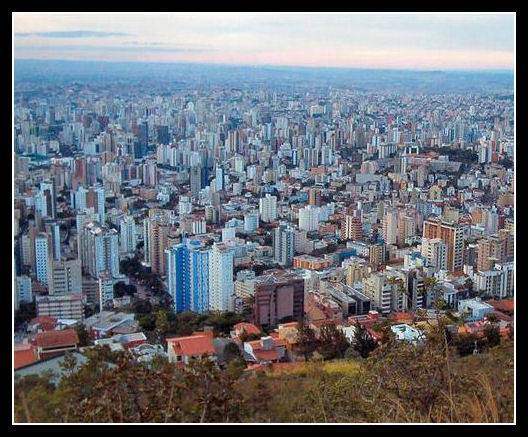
<point x="66" y="277"/>
<point x="94" y="198"/>
<point x="434" y="250"/>
<point x="268" y="208"/>
<point x="100" y="249"/>
<point x="45" y="200"/>
<point x="221" y="278"/>
<point x="283" y="245"/>
<point x="157" y="231"/>
<point x="23" y="290"/>
<point x="390" y="227"/>
<point x="309" y="218"/>
<point x="127" y="230"/>
<point x="106" y="289"/>
<point x="196" y="179"/>
<point x="450" y="233"/>
<point x="278" y="298"/>
<point x="352" y="228"/>
<point x="187" y="270"/>
<point x="43" y="257"/>
<point x="251" y="221"/>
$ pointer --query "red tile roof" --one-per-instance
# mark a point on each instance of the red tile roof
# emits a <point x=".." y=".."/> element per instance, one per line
<point x="192" y="345"/>
<point x="24" y="355"/>
<point x="263" y="355"/>
<point x="56" y="338"/>
<point x="45" y="322"/>
<point x="248" y="328"/>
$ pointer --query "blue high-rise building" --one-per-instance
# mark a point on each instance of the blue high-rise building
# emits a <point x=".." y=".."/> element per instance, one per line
<point x="187" y="272"/>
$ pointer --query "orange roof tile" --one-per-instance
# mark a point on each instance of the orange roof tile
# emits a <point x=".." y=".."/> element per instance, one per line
<point x="248" y="328"/>
<point x="24" y="355"/>
<point x="56" y="338"/>
<point x="192" y="345"/>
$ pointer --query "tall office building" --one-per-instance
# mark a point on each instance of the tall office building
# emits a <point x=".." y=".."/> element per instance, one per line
<point x="219" y="178"/>
<point x="23" y="290"/>
<point x="450" y="233"/>
<point x="221" y="278"/>
<point x="268" y="208"/>
<point x="127" y="231"/>
<point x="66" y="277"/>
<point x="251" y="221"/>
<point x="352" y="228"/>
<point x="309" y="218"/>
<point x="43" y="257"/>
<point x="283" y="245"/>
<point x="88" y="215"/>
<point x="187" y="270"/>
<point x="106" y="289"/>
<point x="155" y="237"/>
<point x="100" y="249"/>
<point x="45" y="200"/>
<point x="435" y="252"/>
<point x="390" y="227"/>
<point x="196" y="179"/>
<point x="278" y="298"/>
<point x="94" y="198"/>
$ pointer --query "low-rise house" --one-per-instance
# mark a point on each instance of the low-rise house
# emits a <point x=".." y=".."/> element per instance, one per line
<point x="266" y="350"/>
<point x="51" y="343"/>
<point x="474" y="309"/>
<point x="123" y="341"/>
<point x="244" y="328"/>
<point x="24" y="355"/>
<point x="181" y="350"/>
<point x="408" y="333"/>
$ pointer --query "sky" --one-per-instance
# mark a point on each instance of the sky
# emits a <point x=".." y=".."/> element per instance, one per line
<point x="435" y="41"/>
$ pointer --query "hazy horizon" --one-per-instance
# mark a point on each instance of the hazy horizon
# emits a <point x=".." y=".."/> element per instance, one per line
<point x="386" y="41"/>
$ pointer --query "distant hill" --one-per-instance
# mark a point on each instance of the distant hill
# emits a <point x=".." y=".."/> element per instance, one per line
<point x="185" y="74"/>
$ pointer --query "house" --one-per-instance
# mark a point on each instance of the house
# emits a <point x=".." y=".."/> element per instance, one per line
<point x="474" y="309"/>
<point x="181" y="350"/>
<point x="107" y="323"/>
<point x="408" y="333"/>
<point x="42" y="323"/>
<point x="24" y="355"/>
<point x="123" y="341"/>
<point x="244" y="328"/>
<point x="270" y="349"/>
<point x="51" y="343"/>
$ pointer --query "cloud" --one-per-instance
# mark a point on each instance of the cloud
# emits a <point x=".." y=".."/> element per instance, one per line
<point x="118" y="49"/>
<point x="72" y="34"/>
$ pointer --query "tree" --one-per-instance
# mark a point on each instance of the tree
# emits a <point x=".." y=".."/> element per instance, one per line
<point x="306" y="340"/>
<point x="231" y="352"/>
<point x="85" y="339"/>
<point x="363" y="341"/>
<point x="162" y="326"/>
<point x="493" y="336"/>
<point x="332" y="342"/>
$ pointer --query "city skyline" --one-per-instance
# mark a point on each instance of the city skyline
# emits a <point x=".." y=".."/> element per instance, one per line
<point x="444" y="41"/>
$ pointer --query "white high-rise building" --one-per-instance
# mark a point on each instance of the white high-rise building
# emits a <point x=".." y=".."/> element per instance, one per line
<point x="268" y="208"/>
<point x="23" y="290"/>
<point x="434" y="250"/>
<point x="66" y="277"/>
<point x="91" y="198"/>
<point x="251" y="221"/>
<point x="390" y="227"/>
<point x="127" y="229"/>
<point x="221" y="278"/>
<point x="106" y="289"/>
<point x="43" y="257"/>
<point x="309" y="218"/>
<point x="100" y="249"/>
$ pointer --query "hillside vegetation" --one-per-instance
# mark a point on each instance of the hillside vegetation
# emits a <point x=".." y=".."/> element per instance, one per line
<point x="399" y="382"/>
